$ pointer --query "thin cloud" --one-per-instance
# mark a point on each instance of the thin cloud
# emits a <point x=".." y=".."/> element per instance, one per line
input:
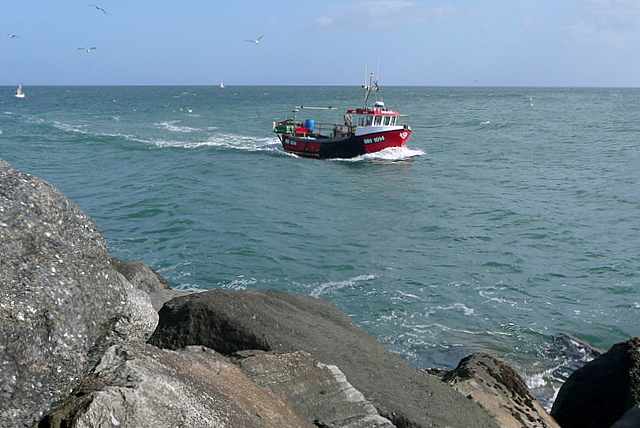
<point x="614" y="23"/>
<point x="368" y="14"/>
<point x="613" y="14"/>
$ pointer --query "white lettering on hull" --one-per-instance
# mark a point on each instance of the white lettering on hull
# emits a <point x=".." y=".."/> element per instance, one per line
<point x="378" y="139"/>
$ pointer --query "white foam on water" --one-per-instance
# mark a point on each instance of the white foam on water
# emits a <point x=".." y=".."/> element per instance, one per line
<point x="537" y="380"/>
<point x="389" y="154"/>
<point x="227" y="141"/>
<point x="445" y="328"/>
<point x="542" y="386"/>
<point x="403" y="294"/>
<point x="239" y="284"/>
<point x="82" y="129"/>
<point x="487" y="294"/>
<point x="67" y="127"/>
<point x="177" y="144"/>
<point x="329" y="287"/>
<point x="457" y="307"/>
<point x="172" y="125"/>
<point x="191" y="288"/>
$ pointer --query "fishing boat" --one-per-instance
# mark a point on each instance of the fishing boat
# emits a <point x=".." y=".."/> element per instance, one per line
<point x="363" y="130"/>
<point x="19" y="93"/>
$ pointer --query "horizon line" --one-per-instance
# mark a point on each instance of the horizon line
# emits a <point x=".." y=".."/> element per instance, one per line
<point x="227" y="86"/>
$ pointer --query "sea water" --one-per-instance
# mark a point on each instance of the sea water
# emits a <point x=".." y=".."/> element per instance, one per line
<point x="511" y="216"/>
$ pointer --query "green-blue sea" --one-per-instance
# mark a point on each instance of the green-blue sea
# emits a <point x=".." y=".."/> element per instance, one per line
<point x="511" y="216"/>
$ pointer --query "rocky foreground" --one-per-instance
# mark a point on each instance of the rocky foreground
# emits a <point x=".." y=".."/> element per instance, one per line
<point x="87" y="340"/>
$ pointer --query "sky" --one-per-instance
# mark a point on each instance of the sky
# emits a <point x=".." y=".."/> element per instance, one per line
<point x="558" y="43"/>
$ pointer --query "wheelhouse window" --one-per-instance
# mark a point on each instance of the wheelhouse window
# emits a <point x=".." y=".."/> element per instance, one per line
<point x="387" y="120"/>
<point x="377" y="120"/>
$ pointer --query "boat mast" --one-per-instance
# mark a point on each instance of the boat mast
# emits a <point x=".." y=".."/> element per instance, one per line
<point x="371" y="87"/>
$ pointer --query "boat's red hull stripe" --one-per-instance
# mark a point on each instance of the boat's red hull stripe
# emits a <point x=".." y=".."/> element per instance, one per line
<point x="376" y="142"/>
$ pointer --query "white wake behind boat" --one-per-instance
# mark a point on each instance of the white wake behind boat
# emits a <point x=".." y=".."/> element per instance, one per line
<point x="19" y="93"/>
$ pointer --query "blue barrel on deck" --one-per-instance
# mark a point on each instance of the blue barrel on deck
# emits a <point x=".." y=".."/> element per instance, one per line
<point x="310" y="124"/>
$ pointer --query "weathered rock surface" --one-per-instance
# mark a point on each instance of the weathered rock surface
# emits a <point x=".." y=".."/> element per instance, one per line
<point x="234" y="320"/>
<point x="139" y="385"/>
<point x="146" y="279"/>
<point x="318" y="392"/>
<point x="603" y="390"/>
<point x="61" y="302"/>
<point x="140" y="275"/>
<point x="500" y="390"/>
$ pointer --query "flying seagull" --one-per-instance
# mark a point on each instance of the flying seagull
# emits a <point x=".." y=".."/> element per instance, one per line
<point x="256" y="41"/>
<point x="99" y="8"/>
<point x="13" y="36"/>
<point x="87" y="50"/>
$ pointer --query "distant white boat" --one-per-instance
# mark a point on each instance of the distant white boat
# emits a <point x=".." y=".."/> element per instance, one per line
<point x="222" y="85"/>
<point x="19" y="93"/>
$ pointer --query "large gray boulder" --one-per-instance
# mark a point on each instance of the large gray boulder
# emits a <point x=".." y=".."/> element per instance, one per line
<point x="603" y="390"/>
<point x="61" y="301"/>
<point x="318" y="392"/>
<point x="235" y="320"/>
<point x="139" y="385"/>
<point x="500" y="390"/>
